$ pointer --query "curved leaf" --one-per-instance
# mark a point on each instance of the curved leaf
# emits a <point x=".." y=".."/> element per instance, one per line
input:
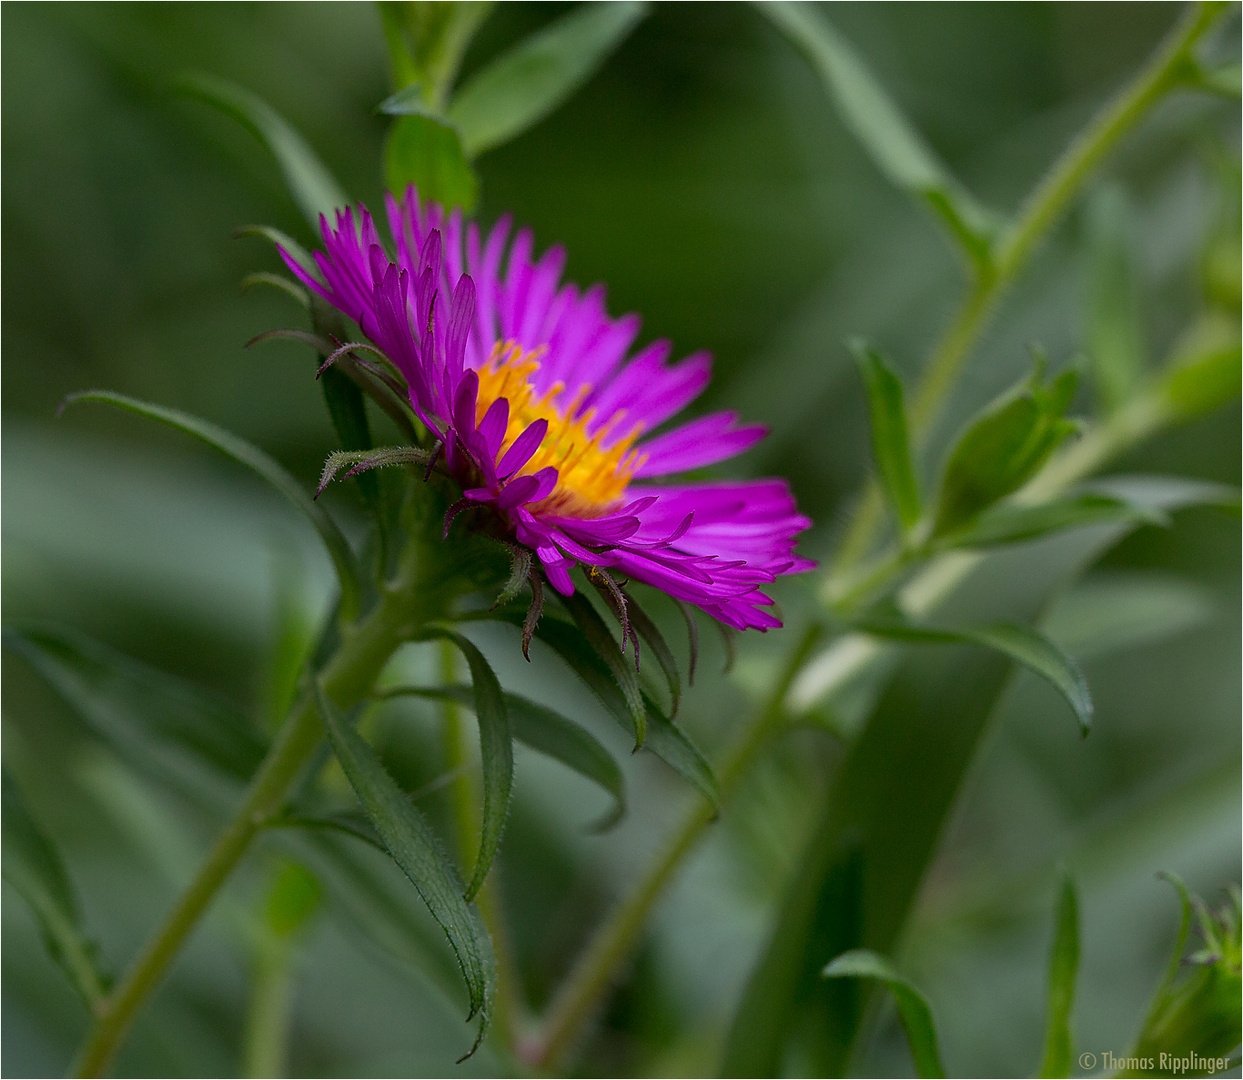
<point x="912" y="1008"/>
<point x="537" y="75"/>
<point x="496" y="749"/>
<point x="891" y="447"/>
<point x="426" y="150"/>
<point x="1010" y="523"/>
<point x="641" y="624"/>
<point x="257" y="461"/>
<point x="413" y="846"/>
<point x="548" y="732"/>
<point x="601" y="642"/>
<point x="897" y="150"/>
<point x="310" y="183"/>
<point x="1029" y="647"/>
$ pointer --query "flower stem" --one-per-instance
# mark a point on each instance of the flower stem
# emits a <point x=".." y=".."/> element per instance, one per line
<point x="364" y="650"/>
<point x="270" y="1009"/>
<point x="1039" y="212"/>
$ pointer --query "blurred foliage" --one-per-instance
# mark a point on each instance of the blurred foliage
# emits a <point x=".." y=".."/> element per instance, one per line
<point x="703" y="173"/>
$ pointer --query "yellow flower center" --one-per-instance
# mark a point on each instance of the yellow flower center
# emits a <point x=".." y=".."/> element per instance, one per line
<point x="591" y="480"/>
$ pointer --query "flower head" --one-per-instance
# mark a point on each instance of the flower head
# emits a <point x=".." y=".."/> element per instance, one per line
<point x="546" y="416"/>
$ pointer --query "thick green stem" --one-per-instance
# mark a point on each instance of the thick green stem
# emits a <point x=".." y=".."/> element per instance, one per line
<point x="1038" y="214"/>
<point x="364" y="650"/>
<point x="270" y="1010"/>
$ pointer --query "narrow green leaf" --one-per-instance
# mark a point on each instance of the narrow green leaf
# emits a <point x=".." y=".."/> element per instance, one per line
<point x="138" y="710"/>
<point x="548" y="732"/>
<point x="257" y="461"/>
<point x="520" y="562"/>
<point x="496" y="749"/>
<point x="912" y="1007"/>
<point x="1029" y="647"/>
<point x="1009" y="523"/>
<point x="426" y="150"/>
<point x="33" y="866"/>
<point x="349" y="419"/>
<point x="278" y="281"/>
<point x="1187" y="908"/>
<point x="641" y="624"/>
<point x="310" y="183"/>
<point x="890" y="445"/>
<point x="281" y="240"/>
<point x="897" y="150"/>
<point x="427" y="41"/>
<point x="597" y="635"/>
<point x="414" y="848"/>
<point x="1063" y="969"/>
<point x="1002" y="448"/>
<point x="531" y="80"/>
<point x="1115" y="328"/>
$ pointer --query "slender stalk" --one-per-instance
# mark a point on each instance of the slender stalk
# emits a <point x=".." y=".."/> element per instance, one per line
<point x="364" y="650"/>
<point x="852" y="653"/>
<point x="270" y="1009"/>
<point x="1039" y="212"/>
<point x="578" y="996"/>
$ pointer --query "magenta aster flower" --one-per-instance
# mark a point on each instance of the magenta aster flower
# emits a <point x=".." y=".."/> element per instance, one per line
<point x="545" y="417"/>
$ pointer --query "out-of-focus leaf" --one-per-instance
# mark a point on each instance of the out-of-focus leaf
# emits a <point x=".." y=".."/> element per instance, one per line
<point x="889" y="800"/>
<point x="1029" y="647"/>
<point x="913" y="1009"/>
<point x="898" y="151"/>
<point x="521" y="87"/>
<point x="294" y="897"/>
<point x="1204" y="381"/>
<point x="1063" y="968"/>
<point x="281" y="240"/>
<point x="598" y="638"/>
<point x="641" y="624"/>
<point x="426" y="151"/>
<point x="542" y="729"/>
<point x="1115" y="611"/>
<point x="1010" y="522"/>
<point x="426" y="41"/>
<point x="257" y="461"/>
<point x="349" y="419"/>
<point x="1169" y="493"/>
<point x="496" y="749"/>
<point x="310" y="183"/>
<point x="414" y="848"/>
<point x="891" y="448"/>
<point x="33" y="866"/>
<point x="664" y="738"/>
<point x="1003" y="447"/>
<point x="137" y="709"/>
<point x="1115" y="328"/>
<point x="277" y="281"/>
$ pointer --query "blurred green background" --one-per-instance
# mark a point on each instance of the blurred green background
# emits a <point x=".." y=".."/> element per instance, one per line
<point x="706" y="178"/>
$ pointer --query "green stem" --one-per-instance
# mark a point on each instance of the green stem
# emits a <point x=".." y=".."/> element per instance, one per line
<point x="364" y="650"/>
<point x="266" y="1042"/>
<point x="578" y="995"/>
<point x="1046" y="203"/>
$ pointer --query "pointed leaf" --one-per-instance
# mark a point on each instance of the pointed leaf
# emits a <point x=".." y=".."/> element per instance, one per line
<point x="310" y="183"/>
<point x="531" y="80"/>
<point x="548" y="732"/>
<point x="897" y="150"/>
<point x="1002" y="448"/>
<point x="283" y="241"/>
<point x="1010" y="523"/>
<point x="496" y="750"/>
<point x="601" y="641"/>
<point x="33" y="866"/>
<point x="138" y="710"/>
<point x="1063" y="968"/>
<point x="890" y="446"/>
<point x="1029" y="647"/>
<point x="414" y="847"/>
<point x="257" y="461"/>
<point x="426" y="150"/>
<point x="912" y="1008"/>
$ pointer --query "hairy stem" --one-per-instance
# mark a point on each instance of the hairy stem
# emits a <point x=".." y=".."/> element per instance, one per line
<point x="1039" y="212"/>
<point x="364" y="650"/>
